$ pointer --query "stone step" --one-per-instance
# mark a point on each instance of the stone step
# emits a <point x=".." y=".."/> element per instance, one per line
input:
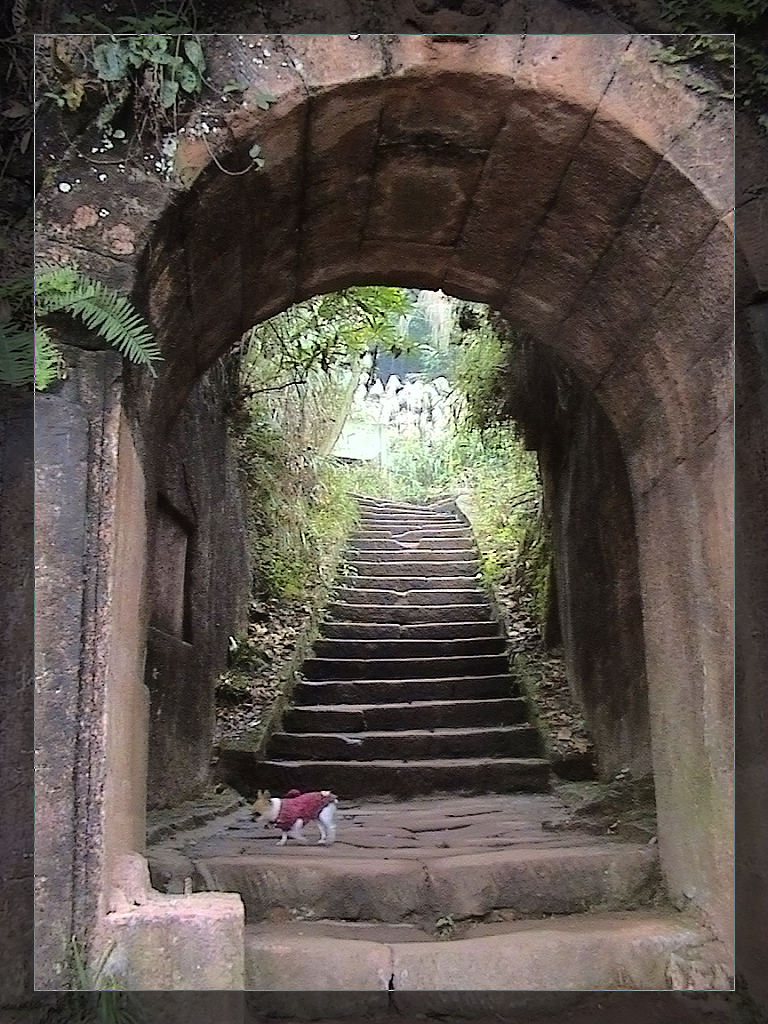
<point x="241" y="769"/>
<point x="585" y="952"/>
<point x="438" y="544"/>
<point x="403" y="691"/>
<point x="407" y="518"/>
<point x="411" y="598"/>
<point x="408" y="615"/>
<point x="407" y="536"/>
<point x="404" y="584"/>
<point x="421" y="648"/>
<point x="531" y="882"/>
<point x="435" y="714"/>
<point x="404" y="668"/>
<point x="400" y="524"/>
<point x="392" y="505"/>
<point x="409" y="631"/>
<point x="410" y="554"/>
<point x="423" y="744"/>
<point x="414" y="567"/>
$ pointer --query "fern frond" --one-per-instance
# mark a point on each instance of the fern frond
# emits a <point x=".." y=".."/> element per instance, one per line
<point x="17" y="361"/>
<point x="47" y="359"/>
<point x="53" y="284"/>
<point x="65" y="290"/>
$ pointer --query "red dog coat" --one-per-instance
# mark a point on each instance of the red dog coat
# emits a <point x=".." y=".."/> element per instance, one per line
<point x="306" y="806"/>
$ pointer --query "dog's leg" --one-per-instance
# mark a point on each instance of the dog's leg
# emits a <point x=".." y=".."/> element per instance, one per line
<point x="284" y="840"/>
<point x="327" y="822"/>
<point x="296" y="831"/>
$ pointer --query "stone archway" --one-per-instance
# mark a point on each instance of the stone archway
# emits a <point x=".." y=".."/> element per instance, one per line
<point x="568" y="182"/>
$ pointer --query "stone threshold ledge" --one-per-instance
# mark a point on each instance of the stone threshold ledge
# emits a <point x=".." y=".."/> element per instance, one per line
<point x="190" y="942"/>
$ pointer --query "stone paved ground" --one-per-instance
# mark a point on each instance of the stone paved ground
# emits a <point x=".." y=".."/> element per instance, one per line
<point x="441" y="826"/>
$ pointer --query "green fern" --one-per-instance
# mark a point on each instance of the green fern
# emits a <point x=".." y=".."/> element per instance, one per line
<point x="27" y="355"/>
<point x="64" y="290"/>
<point x="17" y="364"/>
<point x="16" y="344"/>
<point x="48" y="361"/>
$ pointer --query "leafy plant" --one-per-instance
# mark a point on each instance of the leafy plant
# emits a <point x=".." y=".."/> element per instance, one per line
<point x="28" y="355"/>
<point x="322" y="335"/>
<point x="98" y="997"/>
<point x="150" y="69"/>
<point x="63" y="289"/>
<point x="298" y="373"/>
<point x="445" y="926"/>
<point x="733" y="29"/>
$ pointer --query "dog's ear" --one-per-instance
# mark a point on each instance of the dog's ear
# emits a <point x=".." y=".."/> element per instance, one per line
<point x="266" y="794"/>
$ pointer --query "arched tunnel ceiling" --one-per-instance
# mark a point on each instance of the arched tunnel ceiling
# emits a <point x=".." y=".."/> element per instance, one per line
<point x="568" y="181"/>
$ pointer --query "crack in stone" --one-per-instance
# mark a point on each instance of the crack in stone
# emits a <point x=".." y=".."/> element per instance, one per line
<point x="434" y="144"/>
<point x="91" y="251"/>
<point x="471" y="205"/>
<point x="608" y="247"/>
<point x="386" y="54"/>
<point x="526" y="14"/>
<point x="371" y="173"/>
<point x="647" y="316"/>
<point x="553" y="199"/>
<point x="87" y="790"/>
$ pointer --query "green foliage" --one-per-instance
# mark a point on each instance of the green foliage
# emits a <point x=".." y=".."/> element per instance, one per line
<point x="323" y="334"/>
<point x="98" y="997"/>
<point x="298" y="372"/>
<point x="298" y="511"/>
<point x="112" y="316"/>
<point x="16" y="355"/>
<point x="48" y="361"/>
<point x="17" y="350"/>
<point x="150" y="69"/>
<point x="713" y="51"/>
<point x="481" y="364"/>
<point x="27" y="354"/>
<point x="488" y="368"/>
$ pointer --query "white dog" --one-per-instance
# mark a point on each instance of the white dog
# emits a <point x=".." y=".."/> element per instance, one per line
<point x="292" y="811"/>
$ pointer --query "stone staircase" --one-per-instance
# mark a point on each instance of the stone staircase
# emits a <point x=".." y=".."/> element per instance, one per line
<point x="443" y="876"/>
<point x="408" y="690"/>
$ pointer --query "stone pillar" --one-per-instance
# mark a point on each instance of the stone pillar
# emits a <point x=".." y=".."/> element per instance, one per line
<point x="684" y="524"/>
<point x="76" y="442"/>
<point x="91" y="706"/>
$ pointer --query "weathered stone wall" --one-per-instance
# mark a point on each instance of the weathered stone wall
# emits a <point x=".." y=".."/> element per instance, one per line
<point x="16" y="686"/>
<point x="76" y="466"/>
<point x="589" y="504"/>
<point x="598" y="590"/>
<point x="199" y="584"/>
